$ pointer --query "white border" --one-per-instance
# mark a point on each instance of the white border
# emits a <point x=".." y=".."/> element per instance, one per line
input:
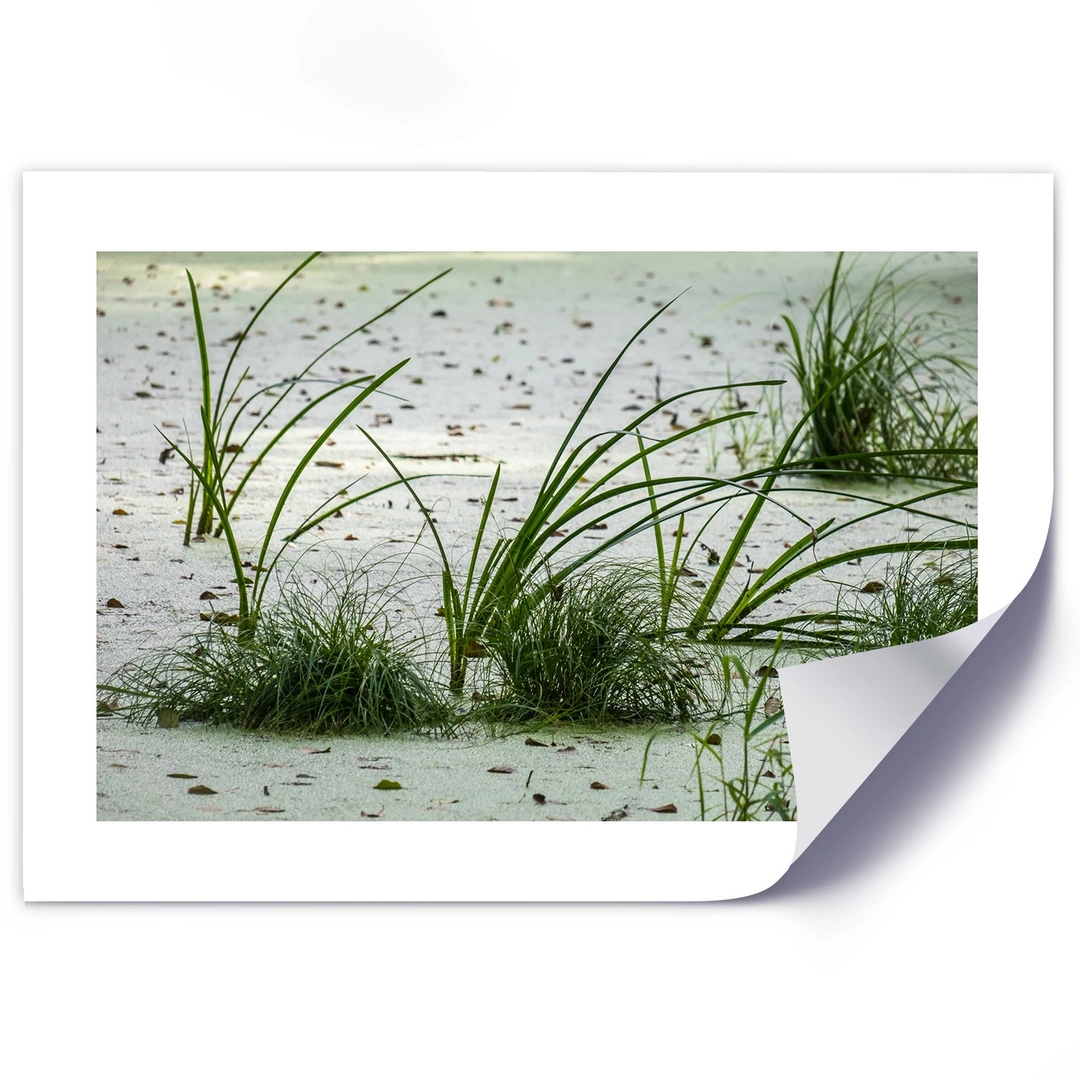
<point x="68" y="217"/>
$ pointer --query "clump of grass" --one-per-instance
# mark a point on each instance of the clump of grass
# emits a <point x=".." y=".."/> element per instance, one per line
<point x="587" y="650"/>
<point x="916" y="601"/>
<point x="321" y="664"/>
<point x="882" y="376"/>
<point x="571" y="502"/>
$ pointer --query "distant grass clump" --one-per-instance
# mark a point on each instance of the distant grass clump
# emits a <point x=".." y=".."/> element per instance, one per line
<point x="586" y="651"/>
<point x="320" y="665"/>
<point x="915" y="602"/>
<point x="885" y="381"/>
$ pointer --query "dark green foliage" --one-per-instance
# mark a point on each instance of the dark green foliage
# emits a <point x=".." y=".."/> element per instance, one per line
<point x="918" y="601"/>
<point x="586" y="651"/>
<point x="883" y="379"/>
<point x="313" y="664"/>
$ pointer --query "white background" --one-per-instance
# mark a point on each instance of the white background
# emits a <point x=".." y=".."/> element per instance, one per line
<point x="930" y="927"/>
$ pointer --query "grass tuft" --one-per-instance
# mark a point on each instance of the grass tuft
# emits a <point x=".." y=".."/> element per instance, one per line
<point x="587" y="651"/>
<point x="318" y="664"/>
<point x="885" y="379"/>
<point x="916" y="601"/>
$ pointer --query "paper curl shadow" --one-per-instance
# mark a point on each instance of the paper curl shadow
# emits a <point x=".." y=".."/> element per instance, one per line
<point x="903" y="794"/>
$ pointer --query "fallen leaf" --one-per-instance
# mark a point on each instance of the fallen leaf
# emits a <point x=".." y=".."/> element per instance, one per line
<point x="269" y="810"/>
<point x="313" y="750"/>
<point x="331" y="464"/>
<point x="713" y="739"/>
<point x="182" y="776"/>
<point x="669" y="808"/>
<point x="201" y="789"/>
<point x="597" y="786"/>
<point x="113" y="602"/>
<point x="873" y="587"/>
<point x="167" y="718"/>
<point x="766" y="672"/>
<point x="387" y="785"/>
<point x="538" y="798"/>
<point x="208" y="595"/>
<point x="502" y="769"/>
<point x="532" y="742"/>
<point x="474" y="649"/>
<point x="615" y="815"/>
<point x="773" y="705"/>
<point x="219" y="617"/>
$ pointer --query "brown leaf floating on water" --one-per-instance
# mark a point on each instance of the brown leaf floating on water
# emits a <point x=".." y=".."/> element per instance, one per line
<point x="873" y="587"/>
<point x="387" y="785"/>
<point x="538" y="798"/>
<point x="113" y="602"/>
<point x="668" y="808"/>
<point x="167" y="718"/>
<point x="120" y="512"/>
<point x="766" y="672"/>
<point x="502" y="769"/>
<point x="182" y="776"/>
<point x="532" y="742"/>
<point x="331" y="464"/>
<point x="269" y="810"/>
<point x="313" y="750"/>
<point x="208" y="595"/>
<point x="201" y="789"/>
<point x="597" y="786"/>
<point x="713" y="739"/>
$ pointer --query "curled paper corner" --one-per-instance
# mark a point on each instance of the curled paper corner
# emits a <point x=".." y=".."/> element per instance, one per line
<point x="845" y="714"/>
